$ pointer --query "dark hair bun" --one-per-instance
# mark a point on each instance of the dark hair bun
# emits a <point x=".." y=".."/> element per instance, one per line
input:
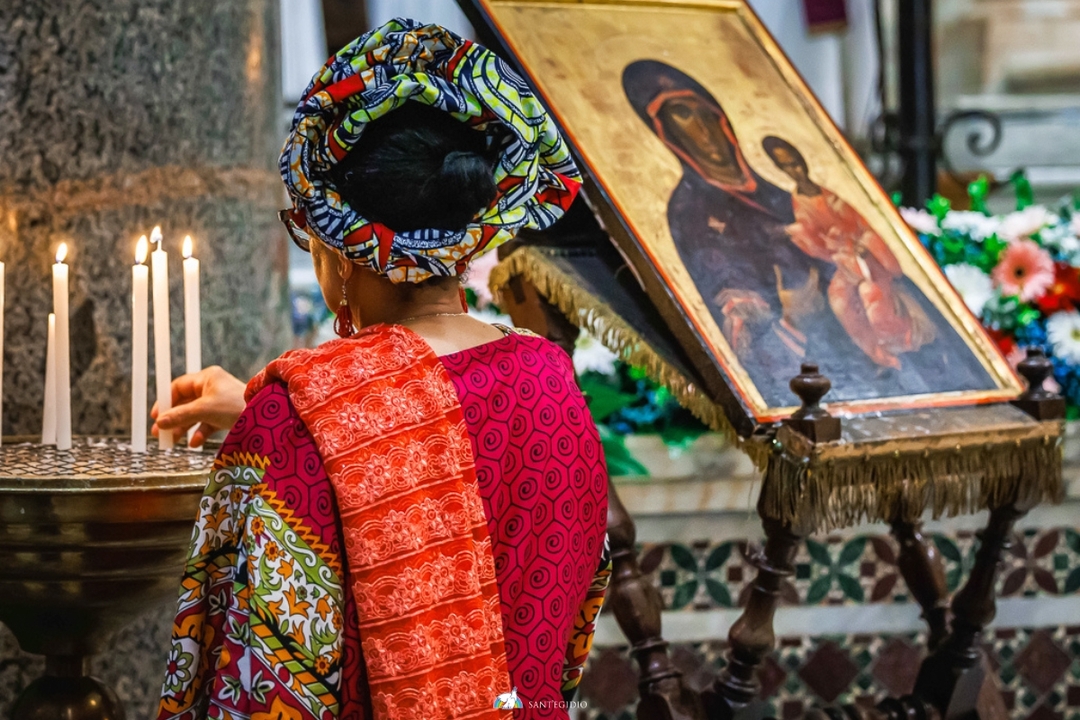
<point x="465" y="181"/>
<point x="418" y="168"/>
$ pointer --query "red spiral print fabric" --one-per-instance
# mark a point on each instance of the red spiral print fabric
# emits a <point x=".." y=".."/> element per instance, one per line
<point x="543" y="481"/>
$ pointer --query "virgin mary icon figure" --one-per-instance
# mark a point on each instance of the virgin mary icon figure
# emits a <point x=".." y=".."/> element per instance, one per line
<point x="730" y="227"/>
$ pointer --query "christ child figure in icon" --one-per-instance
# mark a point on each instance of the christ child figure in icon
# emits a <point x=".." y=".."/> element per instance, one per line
<point x="879" y="315"/>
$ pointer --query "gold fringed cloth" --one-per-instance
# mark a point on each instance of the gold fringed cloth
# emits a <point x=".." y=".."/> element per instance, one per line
<point x="950" y="461"/>
<point x="885" y="467"/>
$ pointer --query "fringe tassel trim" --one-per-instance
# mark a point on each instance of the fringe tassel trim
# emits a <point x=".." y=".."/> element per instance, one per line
<point x="829" y="494"/>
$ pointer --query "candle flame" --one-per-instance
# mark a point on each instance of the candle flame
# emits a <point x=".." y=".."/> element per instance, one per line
<point x="141" y="248"/>
<point x="155" y="236"/>
<point x="187" y="247"/>
<point x="61" y="252"/>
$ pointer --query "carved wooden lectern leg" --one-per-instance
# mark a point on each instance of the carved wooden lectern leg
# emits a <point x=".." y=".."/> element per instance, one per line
<point x="922" y="570"/>
<point x="952" y="677"/>
<point x="752" y="636"/>
<point x="636" y="602"/>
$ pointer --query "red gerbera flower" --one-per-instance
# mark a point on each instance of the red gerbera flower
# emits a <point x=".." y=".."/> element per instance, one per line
<point x="1064" y="293"/>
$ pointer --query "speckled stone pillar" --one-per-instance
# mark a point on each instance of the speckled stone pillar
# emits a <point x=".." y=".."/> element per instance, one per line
<point x="116" y="115"/>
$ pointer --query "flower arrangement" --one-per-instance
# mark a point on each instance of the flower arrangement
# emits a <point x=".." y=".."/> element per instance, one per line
<point x="1018" y="273"/>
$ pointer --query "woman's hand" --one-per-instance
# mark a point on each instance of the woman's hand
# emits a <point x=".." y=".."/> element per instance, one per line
<point x="211" y="398"/>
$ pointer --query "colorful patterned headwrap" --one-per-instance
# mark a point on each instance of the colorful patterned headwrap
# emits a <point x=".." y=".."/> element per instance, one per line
<point x="378" y="72"/>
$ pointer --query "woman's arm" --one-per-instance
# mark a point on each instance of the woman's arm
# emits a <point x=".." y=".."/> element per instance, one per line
<point x="212" y="399"/>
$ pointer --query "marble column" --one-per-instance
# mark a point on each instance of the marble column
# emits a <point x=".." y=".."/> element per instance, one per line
<point x="116" y="115"/>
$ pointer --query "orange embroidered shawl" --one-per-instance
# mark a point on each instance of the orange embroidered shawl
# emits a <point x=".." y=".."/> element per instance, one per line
<point x="389" y="427"/>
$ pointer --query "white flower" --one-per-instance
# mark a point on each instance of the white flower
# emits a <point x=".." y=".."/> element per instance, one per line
<point x="920" y="221"/>
<point x="1061" y="237"/>
<point x="1074" y="225"/>
<point x="1025" y="223"/>
<point x="1063" y="329"/>
<point x="966" y="222"/>
<point x="476" y="277"/>
<point x="974" y="286"/>
<point x="589" y="354"/>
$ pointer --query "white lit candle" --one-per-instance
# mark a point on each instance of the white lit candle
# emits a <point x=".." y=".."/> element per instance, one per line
<point x="192" y="321"/>
<point x="140" y="276"/>
<point x="48" y="419"/>
<point x="63" y="351"/>
<point x="159" y="262"/>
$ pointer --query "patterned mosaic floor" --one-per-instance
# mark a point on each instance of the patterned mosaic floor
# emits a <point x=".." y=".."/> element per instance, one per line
<point x="1039" y="672"/>
<point x="834" y="571"/>
<point x="1039" y="669"/>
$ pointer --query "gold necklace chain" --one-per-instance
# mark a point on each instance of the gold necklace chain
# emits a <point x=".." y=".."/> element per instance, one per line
<point x="431" y="315"/>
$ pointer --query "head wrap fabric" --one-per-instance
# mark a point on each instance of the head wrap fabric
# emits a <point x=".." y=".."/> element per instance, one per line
<point x="378" y="72"/>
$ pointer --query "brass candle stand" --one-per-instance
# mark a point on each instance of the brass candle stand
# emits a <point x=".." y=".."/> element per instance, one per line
<point x="89" y="538"/>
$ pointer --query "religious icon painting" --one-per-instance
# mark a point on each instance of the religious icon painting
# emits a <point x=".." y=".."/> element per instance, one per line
<point x="752" y="225"/>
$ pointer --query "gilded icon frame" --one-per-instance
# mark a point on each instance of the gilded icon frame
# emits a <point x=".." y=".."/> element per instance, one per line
<point x="547" y="40"/>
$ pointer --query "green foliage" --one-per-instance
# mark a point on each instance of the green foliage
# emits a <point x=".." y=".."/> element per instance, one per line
<point x="977" y="192"/>
<point x="939" y="206"/>
<point x="628" y="402"/>
<point x="1008" y="314"/>
<point x="470" y="297"/>
<point x="953" y="249"/>
<point x="1025" y="196"/>
<point x="993" y="246"/>
<point x="618" y="458"/>
<point x="603" y="398"/>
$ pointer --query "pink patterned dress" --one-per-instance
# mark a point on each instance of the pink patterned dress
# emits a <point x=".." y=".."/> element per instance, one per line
<point x="266" y="626"/>
<point x="544" y="486"/>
